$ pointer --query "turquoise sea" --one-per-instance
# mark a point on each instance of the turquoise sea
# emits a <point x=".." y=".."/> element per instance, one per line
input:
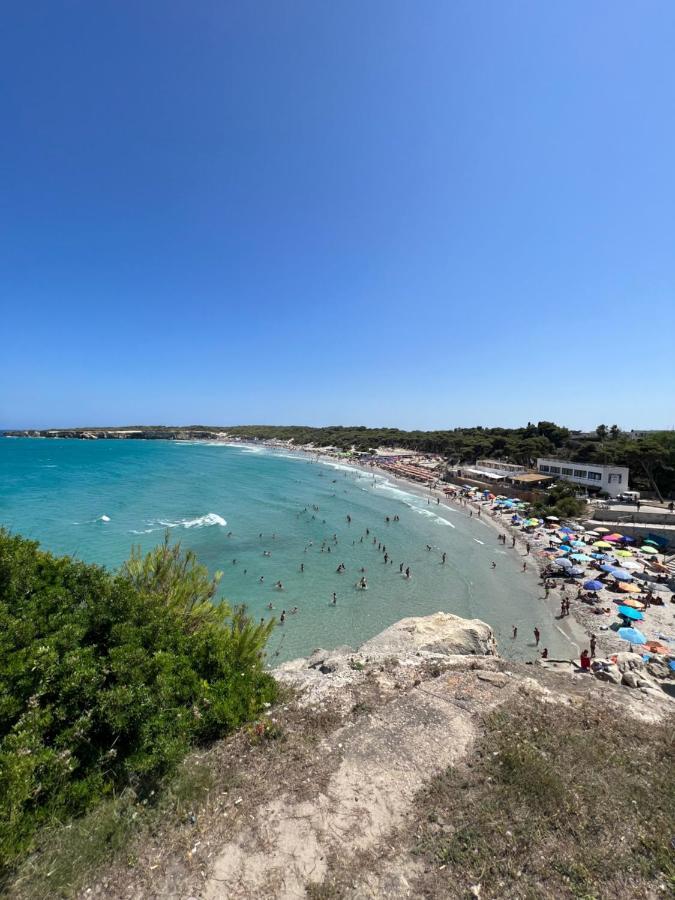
<point x="94" y="499"/>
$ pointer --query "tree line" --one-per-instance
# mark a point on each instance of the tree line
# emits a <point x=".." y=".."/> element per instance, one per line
<point x="651" y="458"/>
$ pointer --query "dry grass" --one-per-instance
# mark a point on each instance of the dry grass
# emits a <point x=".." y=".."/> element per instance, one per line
<point x="556" y="802"/>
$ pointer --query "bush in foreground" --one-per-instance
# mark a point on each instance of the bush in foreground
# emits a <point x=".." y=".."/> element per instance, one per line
<point x="107" y="680"/>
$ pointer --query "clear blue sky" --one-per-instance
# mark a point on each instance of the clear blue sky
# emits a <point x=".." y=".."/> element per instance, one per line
<point x="423" y="214"/>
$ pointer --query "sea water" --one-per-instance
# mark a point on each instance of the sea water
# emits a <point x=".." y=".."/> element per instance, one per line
<point x="257" y="515"/>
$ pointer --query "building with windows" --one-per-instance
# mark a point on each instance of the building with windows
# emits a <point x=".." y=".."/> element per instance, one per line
<point x="499" y="466"/>
<point x="611" y="479"/>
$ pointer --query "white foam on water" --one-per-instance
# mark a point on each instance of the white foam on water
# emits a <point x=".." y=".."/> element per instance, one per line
<point x="103" y="519"/>
<point x="201" y="522"/>
<point x="479" y="542"/>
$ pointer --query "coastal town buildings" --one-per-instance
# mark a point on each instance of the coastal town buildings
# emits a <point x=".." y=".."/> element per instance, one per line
<point x="595" y="478"/>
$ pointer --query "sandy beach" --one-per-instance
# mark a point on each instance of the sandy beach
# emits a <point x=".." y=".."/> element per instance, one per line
<point x="582" y="621"/>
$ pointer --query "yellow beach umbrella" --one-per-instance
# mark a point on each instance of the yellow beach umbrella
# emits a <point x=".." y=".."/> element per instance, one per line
<point x="602" y="544"/>
<point x="622" y="553"/>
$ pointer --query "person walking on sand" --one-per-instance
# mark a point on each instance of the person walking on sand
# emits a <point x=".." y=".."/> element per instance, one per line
<point x="594" y="641"/>
<point x="537" y="635"/>
<point x="527" y="548"/>
<point x="513" y="541"/>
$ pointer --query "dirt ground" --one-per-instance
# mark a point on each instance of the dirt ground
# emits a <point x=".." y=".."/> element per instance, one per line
<point x="314" y="800"/>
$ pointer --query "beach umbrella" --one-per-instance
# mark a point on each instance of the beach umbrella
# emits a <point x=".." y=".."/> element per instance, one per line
<point x="576" y="571"/>
<point x="629" y="587"/>
<point x="623" y="553"/>
<point x="648" y="549"/>
<point x="628" y="613"/>
<point x="567" y="530"/>
<point x="657" y="647"/>
<point x="592" y="533"/>
<point x="600" y="556"/>
<point x="578" y="543"/>
<point x="632" y="602"/>
<point x="651" y="541"/>
<point x="613" y="537"/>
<point x="621" y="575"/>
<point x="593" y="585"/>
<point x="632" y="635"/>
<point x="581" y="557"/>
<point x="552" y="519"/>
<point x="627" y="540"/>
<point x="603" y="530"/>
<point x="563" y="562"/>
<point x="630" y="565"/>
<point x="602" y="544"/>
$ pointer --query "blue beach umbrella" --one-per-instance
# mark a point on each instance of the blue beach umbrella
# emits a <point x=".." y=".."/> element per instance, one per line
<point x="581" y="557"/>
<point x="594" y="585"/>
<point x="567" y="530"/>
<point x="576" y="571"/>
<point x="628" y="613"/>
<point x="632" y="635"/>
<point x="600" y="556"/>
<point x="621" y="575"/>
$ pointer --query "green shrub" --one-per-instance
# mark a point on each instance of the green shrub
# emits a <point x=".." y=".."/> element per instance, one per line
<point x="107" y="680"/>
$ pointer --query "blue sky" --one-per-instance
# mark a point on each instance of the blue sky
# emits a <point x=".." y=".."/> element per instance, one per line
<point x="387" y="213"/>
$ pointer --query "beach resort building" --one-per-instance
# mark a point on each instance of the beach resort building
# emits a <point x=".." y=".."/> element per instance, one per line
<point x="611" y="479"/>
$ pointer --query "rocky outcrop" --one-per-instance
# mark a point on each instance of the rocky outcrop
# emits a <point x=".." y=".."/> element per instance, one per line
<point x="441" y="633"/>
<point x="410" y="643"/>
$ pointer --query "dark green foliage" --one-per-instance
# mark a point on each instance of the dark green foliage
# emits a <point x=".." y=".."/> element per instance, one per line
<point x="107" y="680"/>
<point x="560" y="500"/>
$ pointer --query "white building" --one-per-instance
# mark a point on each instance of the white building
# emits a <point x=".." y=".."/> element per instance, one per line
<point x="612" y="479"/>
<point x="499" y="466"/>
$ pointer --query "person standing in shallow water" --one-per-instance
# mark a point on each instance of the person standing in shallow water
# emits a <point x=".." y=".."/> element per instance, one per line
<point x="537" y="635"/>
<point x="515" y="632"/>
